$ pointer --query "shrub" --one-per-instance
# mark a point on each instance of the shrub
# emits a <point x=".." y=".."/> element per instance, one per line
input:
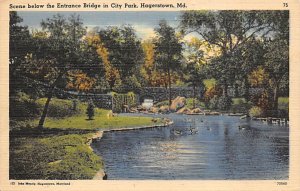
<point x="211" y="92"/>
<point x="21" y="107"/>
<point x="120" y="100"/>
<point x="240" y="105"/>
<point x="255" y="111"/>
<point x="59" y="108"/>
<point x="90" y="111"/>
<point x="213" y="103"/>
<point x="189" y="103"/>
<point x="224" y="103"/>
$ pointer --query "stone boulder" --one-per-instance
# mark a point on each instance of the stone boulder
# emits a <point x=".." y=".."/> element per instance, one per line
<point x="177" y="103"/>
<point x="184" y="110"/>
<point x="197" y="110"/>
<point x="164" y="109"/>
<point x="154" y="110"/>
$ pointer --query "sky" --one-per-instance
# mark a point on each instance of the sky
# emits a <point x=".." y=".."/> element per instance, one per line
<point x="143" y="22"/>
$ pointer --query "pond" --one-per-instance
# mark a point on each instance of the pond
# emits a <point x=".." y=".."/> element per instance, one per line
<point x="197" y="148"/>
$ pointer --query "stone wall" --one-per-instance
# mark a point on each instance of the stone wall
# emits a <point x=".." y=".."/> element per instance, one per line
<point x="100" y="100"/>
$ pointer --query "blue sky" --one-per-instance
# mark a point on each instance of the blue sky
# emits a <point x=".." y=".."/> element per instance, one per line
<point x="143" y="22"/>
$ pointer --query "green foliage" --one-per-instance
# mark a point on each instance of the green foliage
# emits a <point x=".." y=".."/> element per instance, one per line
<point x="130" y="83"/>
<point x="61" y="157"/>
<point x="168" y="51"/>
<point x="60" y="108"/>
<point x="213" y="102"/>
<point x="283" y="103"/>
<point x="211" y="93"/>
<point x="224" y="103"/>
<point x="21" y="107"/>
<point x="90" y="110"/>
<point x="209" y="83"/>
<point x="240" y="105"/>
<point x="124" y="48"/>
<point x="119" y="100"/>
<point x="198" y="104"/>
<point x="255" y="111"/>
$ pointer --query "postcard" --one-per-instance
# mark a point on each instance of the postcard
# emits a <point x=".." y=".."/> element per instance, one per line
<point x="149" y="95"/>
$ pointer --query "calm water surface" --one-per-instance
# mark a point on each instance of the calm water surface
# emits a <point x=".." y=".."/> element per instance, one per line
<point x="197" y="148"/>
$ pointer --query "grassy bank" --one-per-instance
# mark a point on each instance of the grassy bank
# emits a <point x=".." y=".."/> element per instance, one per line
<point x="61" y="150"/>
<point x="55" y="157"/>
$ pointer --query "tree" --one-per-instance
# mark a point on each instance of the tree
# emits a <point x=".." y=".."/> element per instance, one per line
<point x="90" y="110"/>
<point x="196" y="65"/>
<point x="122" y="50"/>
<point x="63" y="47"/>
<point x="20" y="43"/>
<point x="228" y="30"/>
<point x="168" y="51"/>
<point x="277" y="53"/>
<point x="111" y="74"/>
<point x="250" y="57"/>
<point x="277" y="65"/>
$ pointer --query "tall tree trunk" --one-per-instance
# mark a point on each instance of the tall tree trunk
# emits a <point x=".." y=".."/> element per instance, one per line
<point x="194" y="95"/>
<point x="170" y="93"/>
<point x="246" y="84"/>
<point x="49" y="96"/>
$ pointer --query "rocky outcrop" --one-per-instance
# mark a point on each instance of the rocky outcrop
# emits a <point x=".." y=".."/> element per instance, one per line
<point x="164" y="109"/>
<point x="183" y="110"/>
<point x="197" y="110"/>
<point x="178" y="103"/>
<point x="154" y="110"/>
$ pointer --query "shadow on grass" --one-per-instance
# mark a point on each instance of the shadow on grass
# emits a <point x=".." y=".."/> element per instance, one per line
<point x="46" y="132"/>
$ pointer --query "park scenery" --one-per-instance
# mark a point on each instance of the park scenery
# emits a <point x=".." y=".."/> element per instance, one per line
<point x="191" y="95"/>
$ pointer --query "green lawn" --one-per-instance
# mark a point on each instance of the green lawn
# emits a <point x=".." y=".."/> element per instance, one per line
<point x="100" y="121"/>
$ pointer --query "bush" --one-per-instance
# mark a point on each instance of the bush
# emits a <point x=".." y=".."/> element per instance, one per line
<point x="211" y="92"/>
<point x="129" y="84"/>
<point x="21" y="107"/>
<point x="189" y="103"/>
<point x="213" y="103"/>
<point x="224" y="103"/>
<point x="120" y="100"/>
<point x="90" y="111"/>
<point x="255" y="112"/>
<point x="240" y="105"/>
<point x="59" y="108"/>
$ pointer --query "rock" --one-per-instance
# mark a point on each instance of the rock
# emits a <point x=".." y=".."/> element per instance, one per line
<point x="153" y="110"/>
<point x="197" y="110"/>
<point x="134" y="110"/>
<point x="164" y="109"/>
<point x="184" y="110"/>
<point x="141" y="108"/>
<point x="177" y="103"/>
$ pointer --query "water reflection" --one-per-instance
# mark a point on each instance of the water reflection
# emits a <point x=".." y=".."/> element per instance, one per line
<point x="198" y="147"/>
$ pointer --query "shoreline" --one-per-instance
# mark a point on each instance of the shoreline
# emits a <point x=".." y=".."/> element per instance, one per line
<point x="101" y="175"/>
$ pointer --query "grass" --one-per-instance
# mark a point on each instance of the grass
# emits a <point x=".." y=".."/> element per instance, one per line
<point x="58" y="157"/>
<point x="60" y="150"/>
<point x="100" y="121"/>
